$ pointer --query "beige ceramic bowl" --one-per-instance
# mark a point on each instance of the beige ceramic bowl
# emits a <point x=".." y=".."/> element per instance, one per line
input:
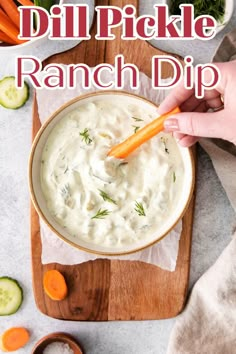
<point x="39" y="200"/>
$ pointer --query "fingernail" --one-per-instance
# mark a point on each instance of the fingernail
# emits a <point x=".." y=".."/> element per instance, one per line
<point x="171" y="124"/>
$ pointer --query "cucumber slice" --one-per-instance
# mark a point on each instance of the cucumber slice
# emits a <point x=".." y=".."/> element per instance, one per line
<point x="11" y="96"/>
<point x="11" y="296"/>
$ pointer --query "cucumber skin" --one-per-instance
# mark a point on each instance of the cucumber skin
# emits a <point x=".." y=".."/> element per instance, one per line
<point x="27" y="97"/>
<point x="21" y="290"/>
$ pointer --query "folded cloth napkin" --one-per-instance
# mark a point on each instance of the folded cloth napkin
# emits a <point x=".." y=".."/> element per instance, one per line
<point x="208" y="323"/>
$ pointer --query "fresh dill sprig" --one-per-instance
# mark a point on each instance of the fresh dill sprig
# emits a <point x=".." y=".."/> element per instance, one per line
<point x="65" y="192"/>
<point x="136" y="128"/>
<point x="139" y="209"/>
<point x="106" y="197"/>
<point x="85" y="136"/>
<point x="137" y="119"/>
<point x="101" y="214"/>
<point x="174" y="176"/>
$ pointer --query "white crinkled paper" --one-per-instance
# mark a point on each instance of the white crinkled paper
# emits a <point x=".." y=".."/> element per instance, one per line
<point x="164" y="253"/>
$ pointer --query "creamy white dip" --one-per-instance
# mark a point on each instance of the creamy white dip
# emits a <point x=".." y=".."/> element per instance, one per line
<point x="103" y="200"/>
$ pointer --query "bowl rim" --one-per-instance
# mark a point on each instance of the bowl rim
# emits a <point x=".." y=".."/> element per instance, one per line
<point x="40" y="211"/>
<point x="63" y="337"/>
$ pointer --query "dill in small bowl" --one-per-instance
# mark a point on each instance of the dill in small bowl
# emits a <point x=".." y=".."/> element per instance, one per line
<point x="215" y="8"/>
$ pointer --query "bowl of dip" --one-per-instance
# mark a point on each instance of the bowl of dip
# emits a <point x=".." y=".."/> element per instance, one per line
<point x="101" y="204"/>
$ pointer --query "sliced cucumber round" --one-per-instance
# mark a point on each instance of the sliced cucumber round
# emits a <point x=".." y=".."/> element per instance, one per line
<point x="11" y="96"/>
<point x="11" y="296"/>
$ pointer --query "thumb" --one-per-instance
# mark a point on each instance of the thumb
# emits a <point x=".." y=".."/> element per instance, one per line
<point x="198" y="124"/>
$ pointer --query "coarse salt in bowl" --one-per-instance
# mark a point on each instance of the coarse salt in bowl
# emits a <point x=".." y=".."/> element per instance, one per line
<point x="58" y="348"/>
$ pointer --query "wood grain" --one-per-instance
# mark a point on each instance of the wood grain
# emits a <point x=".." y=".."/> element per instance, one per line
<point x="113" y="290"/>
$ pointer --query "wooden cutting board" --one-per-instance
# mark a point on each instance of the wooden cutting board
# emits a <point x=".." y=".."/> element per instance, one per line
<point x="104" y="290"/>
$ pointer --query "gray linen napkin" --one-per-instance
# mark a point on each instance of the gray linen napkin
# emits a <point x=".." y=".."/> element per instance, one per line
<point x="208" y="323"/>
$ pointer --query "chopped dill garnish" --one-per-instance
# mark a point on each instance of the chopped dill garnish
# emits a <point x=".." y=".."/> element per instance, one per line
<point x="106" y="197"/>
<point x="164" y="141"/>
<point x="85" y="136"/>
<point x="139" y="209"/>
<point x="66" y="170"/>
<point x="136" y="128"/>
<point x="174" y="176"/>
<point x="123" y="163"/>
<point x="137" y="119"/>
<point x="101" y="214"/>
<point x="65" y="191"/>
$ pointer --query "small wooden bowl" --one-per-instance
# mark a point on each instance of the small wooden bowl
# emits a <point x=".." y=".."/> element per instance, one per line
<point x="56" y="337"/>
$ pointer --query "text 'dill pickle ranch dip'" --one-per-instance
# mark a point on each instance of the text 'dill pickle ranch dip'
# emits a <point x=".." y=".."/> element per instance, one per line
<point x="104" y="200"/>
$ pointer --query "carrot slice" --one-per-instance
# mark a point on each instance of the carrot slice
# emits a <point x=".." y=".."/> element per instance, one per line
<point x="9" y="28"/>
<point x="125" y="148"/>
<point x="55" y="285"/>
<point x="13" y="339"/>
<point x="4" y="38"/>
<point x="26" y="2"/>
<point x="11" y="10"/>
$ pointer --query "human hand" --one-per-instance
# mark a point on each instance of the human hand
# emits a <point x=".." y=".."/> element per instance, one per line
<point x="195" y="120"/>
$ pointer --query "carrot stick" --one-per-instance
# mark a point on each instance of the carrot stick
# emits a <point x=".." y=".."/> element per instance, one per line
<point x="10" y="9"/>
<point x="9" y="28"/>
<point x="54" y="285"/>
<point x="13" y="339"/>
<point x="4" y="38"/>
<point x="26" y="2"/>
<point x="123" y="149"/>
<point x="5" y="15"/>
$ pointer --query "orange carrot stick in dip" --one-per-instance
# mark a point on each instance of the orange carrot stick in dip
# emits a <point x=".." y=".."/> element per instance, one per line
<point x="125" y="148"/>
<point x="10" y="9"/>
